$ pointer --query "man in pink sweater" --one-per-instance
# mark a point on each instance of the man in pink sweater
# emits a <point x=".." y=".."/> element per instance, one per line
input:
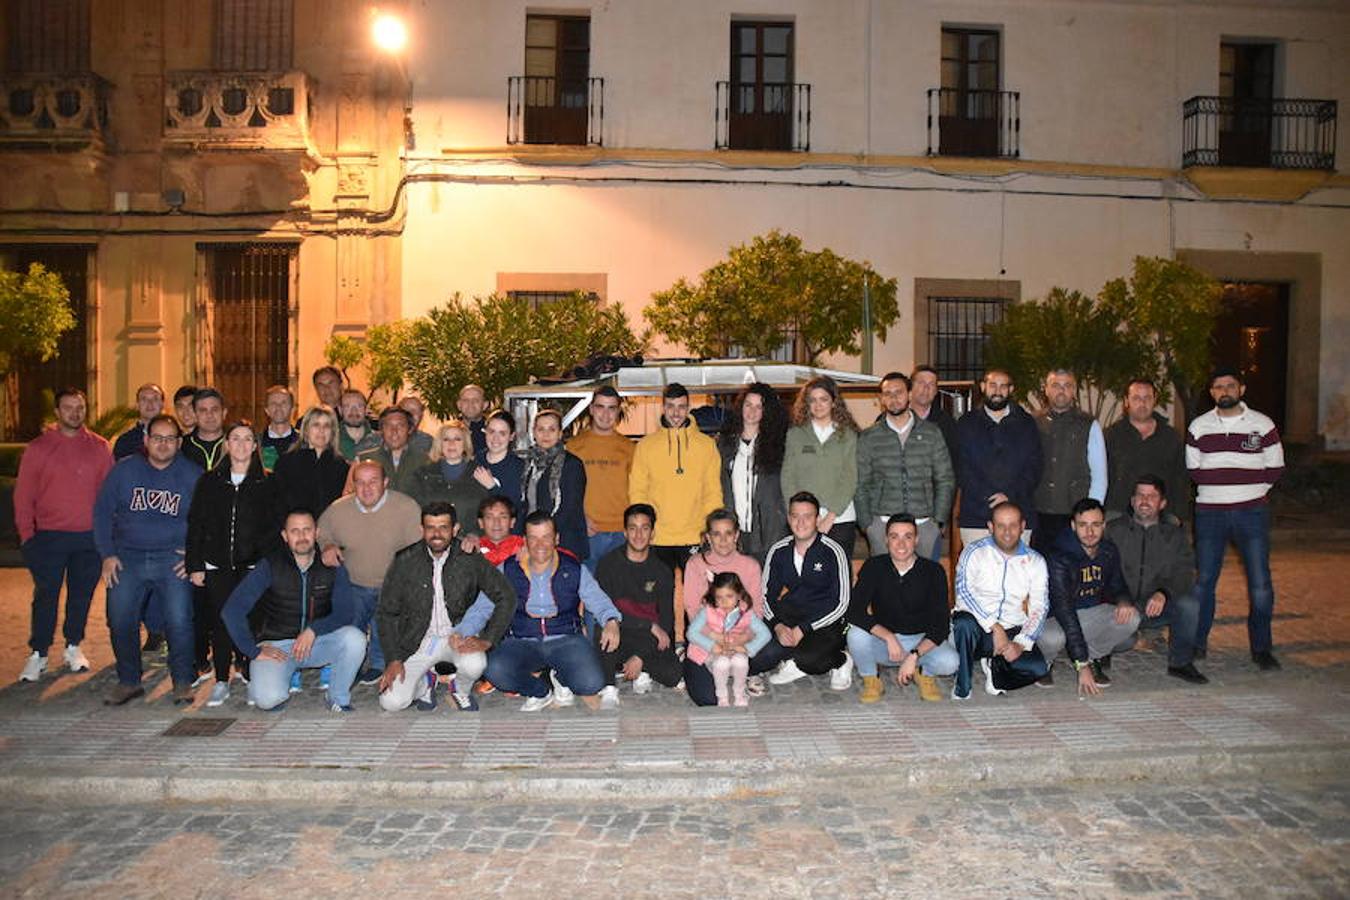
<point x="59" y="477"/>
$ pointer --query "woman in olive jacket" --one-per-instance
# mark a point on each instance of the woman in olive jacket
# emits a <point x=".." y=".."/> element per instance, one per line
<point x="231" y="525"/>
<point x="821" y="456"/>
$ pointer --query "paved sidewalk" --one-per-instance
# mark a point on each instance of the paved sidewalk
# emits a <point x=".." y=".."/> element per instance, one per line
<point x="56" y="739"/>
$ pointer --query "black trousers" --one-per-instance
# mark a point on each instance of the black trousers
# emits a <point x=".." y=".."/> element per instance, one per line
<point x="220" y="583"/>
<point x="662" y="665"/>
<point x="673" y="555"/>
<point x="817" y="653"/>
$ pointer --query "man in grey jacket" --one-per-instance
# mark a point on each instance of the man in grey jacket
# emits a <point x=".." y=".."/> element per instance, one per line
<point x="1159" y="569"/>
<point x="903" y="467"/>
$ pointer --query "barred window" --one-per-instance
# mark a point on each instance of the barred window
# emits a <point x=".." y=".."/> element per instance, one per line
<point x="537" y="299"/>
<point x="254" y="35"/>
<point x="48" y="36"/>
<point x="957" y="334"/>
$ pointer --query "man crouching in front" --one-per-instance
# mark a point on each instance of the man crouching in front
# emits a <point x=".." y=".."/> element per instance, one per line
<point x="293" y="612"/>
<point x="546" y="629"/>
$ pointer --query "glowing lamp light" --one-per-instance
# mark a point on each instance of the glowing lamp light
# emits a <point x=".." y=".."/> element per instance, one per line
<point x="389" y="33"/>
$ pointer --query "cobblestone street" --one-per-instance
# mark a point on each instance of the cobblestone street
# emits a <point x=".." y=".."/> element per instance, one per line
<point x="1205" y="840"/>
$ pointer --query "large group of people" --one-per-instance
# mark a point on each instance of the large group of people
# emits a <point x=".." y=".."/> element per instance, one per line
<point x="413" y="563"/>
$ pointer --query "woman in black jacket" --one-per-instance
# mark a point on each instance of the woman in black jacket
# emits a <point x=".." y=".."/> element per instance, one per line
<point x="555" y="481"/>
<point x="751" y="445"/>
<point x="449" y="477"/>
<point x="311" y="475"/>
<point x="231" y="525"/>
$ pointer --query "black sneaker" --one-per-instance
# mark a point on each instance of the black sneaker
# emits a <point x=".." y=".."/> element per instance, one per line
<point x="427" y="703"/>
<point x="1106" y="662"/>
<point x="369" y="677"/>
<point x="1099" y="674"/>
<point x="1188" y="673"/>
<point x="1048" y="679"/>
<point x="1200" y="652"/>
<point x="1266" y="661"/>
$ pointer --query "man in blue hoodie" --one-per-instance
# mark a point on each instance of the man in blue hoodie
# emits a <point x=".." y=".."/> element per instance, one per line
<point x="140" y="531"/>
<point x="1089" y="598"/>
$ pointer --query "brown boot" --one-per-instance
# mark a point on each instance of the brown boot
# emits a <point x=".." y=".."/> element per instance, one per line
<point x="183" y="694"/>
<point x="123" y="693"/>
<point x="928" y="687"/>
<point x="871" y="689"/>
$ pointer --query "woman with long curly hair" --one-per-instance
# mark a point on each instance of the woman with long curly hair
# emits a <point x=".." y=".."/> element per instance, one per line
<point x="751" y="444"/>
<point x="821" y="456"/>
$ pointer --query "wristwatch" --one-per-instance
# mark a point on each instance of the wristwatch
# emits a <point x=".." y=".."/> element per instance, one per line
<point x="1078" y="666"/>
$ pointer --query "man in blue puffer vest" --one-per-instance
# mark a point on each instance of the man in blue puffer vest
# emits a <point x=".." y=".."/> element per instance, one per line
<point x="546" y="630"/>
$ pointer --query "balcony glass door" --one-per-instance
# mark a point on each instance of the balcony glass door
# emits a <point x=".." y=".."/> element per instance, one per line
<point x="557" y="73"/>
<point x="971" y="103"/>
<point x="759" y="116"/>
<point x="1246" y="89"/>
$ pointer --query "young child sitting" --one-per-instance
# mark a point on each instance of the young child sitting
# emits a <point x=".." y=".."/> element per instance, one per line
<point x="725" y="634"/>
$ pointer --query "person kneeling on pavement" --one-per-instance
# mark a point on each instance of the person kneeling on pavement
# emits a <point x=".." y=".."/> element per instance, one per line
<point x="806" y="589"/>
<point x="546" y="628"/>
<point x="294" y="612"/>
<point x="1159" y="567"/>
<point x="439" y="604"/>
<point x="1089" y="599"/>
<point x="1001" y="604"/>
<point x="898" y="616"/>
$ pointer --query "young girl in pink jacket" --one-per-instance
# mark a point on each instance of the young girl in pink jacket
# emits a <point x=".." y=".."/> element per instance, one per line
<point x="725" y="634"/>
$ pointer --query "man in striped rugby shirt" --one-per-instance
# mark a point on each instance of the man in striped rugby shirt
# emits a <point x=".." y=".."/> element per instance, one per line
<point x="1234" y="456"/>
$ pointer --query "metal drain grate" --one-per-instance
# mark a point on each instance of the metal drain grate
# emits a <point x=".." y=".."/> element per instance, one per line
<point x="198" y="727"/>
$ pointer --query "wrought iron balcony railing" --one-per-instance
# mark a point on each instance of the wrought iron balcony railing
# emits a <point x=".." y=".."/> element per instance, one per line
<point x="545" y="110"/>
<point x="47" y="108"/>
<point x="974" y="123"/>
<point x="269" y="110"/>
<point x="1259" y="132"/>
<point x="762" y="116"/>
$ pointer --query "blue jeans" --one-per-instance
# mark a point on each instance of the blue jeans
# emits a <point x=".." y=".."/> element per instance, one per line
<point x="53" y="557"/>
<point x="1181" y="615"/>
<point x="1249" y="529"/>
<point x="366" y="599"/>
<point x="270" y="680"/>
<point x="147" y="576"/>
<point x="972" y="642"/>
<point x="869" y="652"/>
<point x="601" y="543"/>
<point x="511" y="666"/>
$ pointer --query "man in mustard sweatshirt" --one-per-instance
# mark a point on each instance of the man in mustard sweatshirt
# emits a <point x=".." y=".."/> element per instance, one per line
<point x="678" y="471"/>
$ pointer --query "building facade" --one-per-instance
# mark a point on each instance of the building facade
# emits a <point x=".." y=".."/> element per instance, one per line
<point x="227" y="153"/>
<point x="211" y="177"/>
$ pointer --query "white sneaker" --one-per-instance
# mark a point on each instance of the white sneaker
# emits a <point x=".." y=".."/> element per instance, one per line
<point x="202" y="678"/>
<point x="642" y="684"/>
<point x="562" y="694"/>
<point x="534" y="704"/>
<point x="220" y="692"/>
<point x="989" y="679"/>
<point x="609" y="697"/>
<point x="786" y="673"/>
<point x="841" y="678"/>
<point x="75" y="659"/>
<point x="34" y="667"/>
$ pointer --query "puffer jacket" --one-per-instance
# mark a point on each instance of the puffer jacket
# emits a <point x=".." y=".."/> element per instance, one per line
<point x="915" y="477"/>
<point x="232" y="527"/>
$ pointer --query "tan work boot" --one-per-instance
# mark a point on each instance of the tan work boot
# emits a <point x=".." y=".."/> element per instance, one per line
<point x="871" y="689"/>
<point x="928" y="687"/>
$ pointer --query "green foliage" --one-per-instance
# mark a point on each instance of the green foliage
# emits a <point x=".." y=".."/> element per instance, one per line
<point x="1068" y="330"/>
<point x="499" y="342"/>
<point x="1170" y="307"/>
<point x="343" y="352"/>
<point x="384" y="352"/>
<point x="112" y="422"/>
<point x="36" y="311"/>
<point x="768" y="289"/>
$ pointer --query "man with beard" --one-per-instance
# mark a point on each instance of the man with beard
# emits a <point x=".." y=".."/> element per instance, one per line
<point x="903" y="467"/>
<point x="1234" y="456"/>
<point x="439" y="604"/>
<point x="1000" y="452"/>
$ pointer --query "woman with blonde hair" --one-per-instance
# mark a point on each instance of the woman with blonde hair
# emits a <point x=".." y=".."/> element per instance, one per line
<point x="449" y="477"/>
<point x="311" y="475"/>
<point x="821" y="456"/>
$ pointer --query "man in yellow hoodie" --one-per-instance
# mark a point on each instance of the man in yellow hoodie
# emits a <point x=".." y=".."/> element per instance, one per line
<point x="677" y="470"/>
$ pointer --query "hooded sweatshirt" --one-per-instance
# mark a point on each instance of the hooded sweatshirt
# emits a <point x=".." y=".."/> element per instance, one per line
<point x="677" y="471"/>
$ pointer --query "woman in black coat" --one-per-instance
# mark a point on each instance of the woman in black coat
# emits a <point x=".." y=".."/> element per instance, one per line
<point x="751" y="446"/>
<point x="231" y="525"/>
<point x="311" y="475"/>
<point x="555" y="481"/>
<point x="449" y="477"/>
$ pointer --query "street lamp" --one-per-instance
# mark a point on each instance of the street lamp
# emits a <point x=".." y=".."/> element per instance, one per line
<point x="389" y="33"/>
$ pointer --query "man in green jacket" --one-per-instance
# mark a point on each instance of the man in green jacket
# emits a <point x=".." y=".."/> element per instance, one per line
<point x="439" y="604"/>
<point x="903" y="467"/>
